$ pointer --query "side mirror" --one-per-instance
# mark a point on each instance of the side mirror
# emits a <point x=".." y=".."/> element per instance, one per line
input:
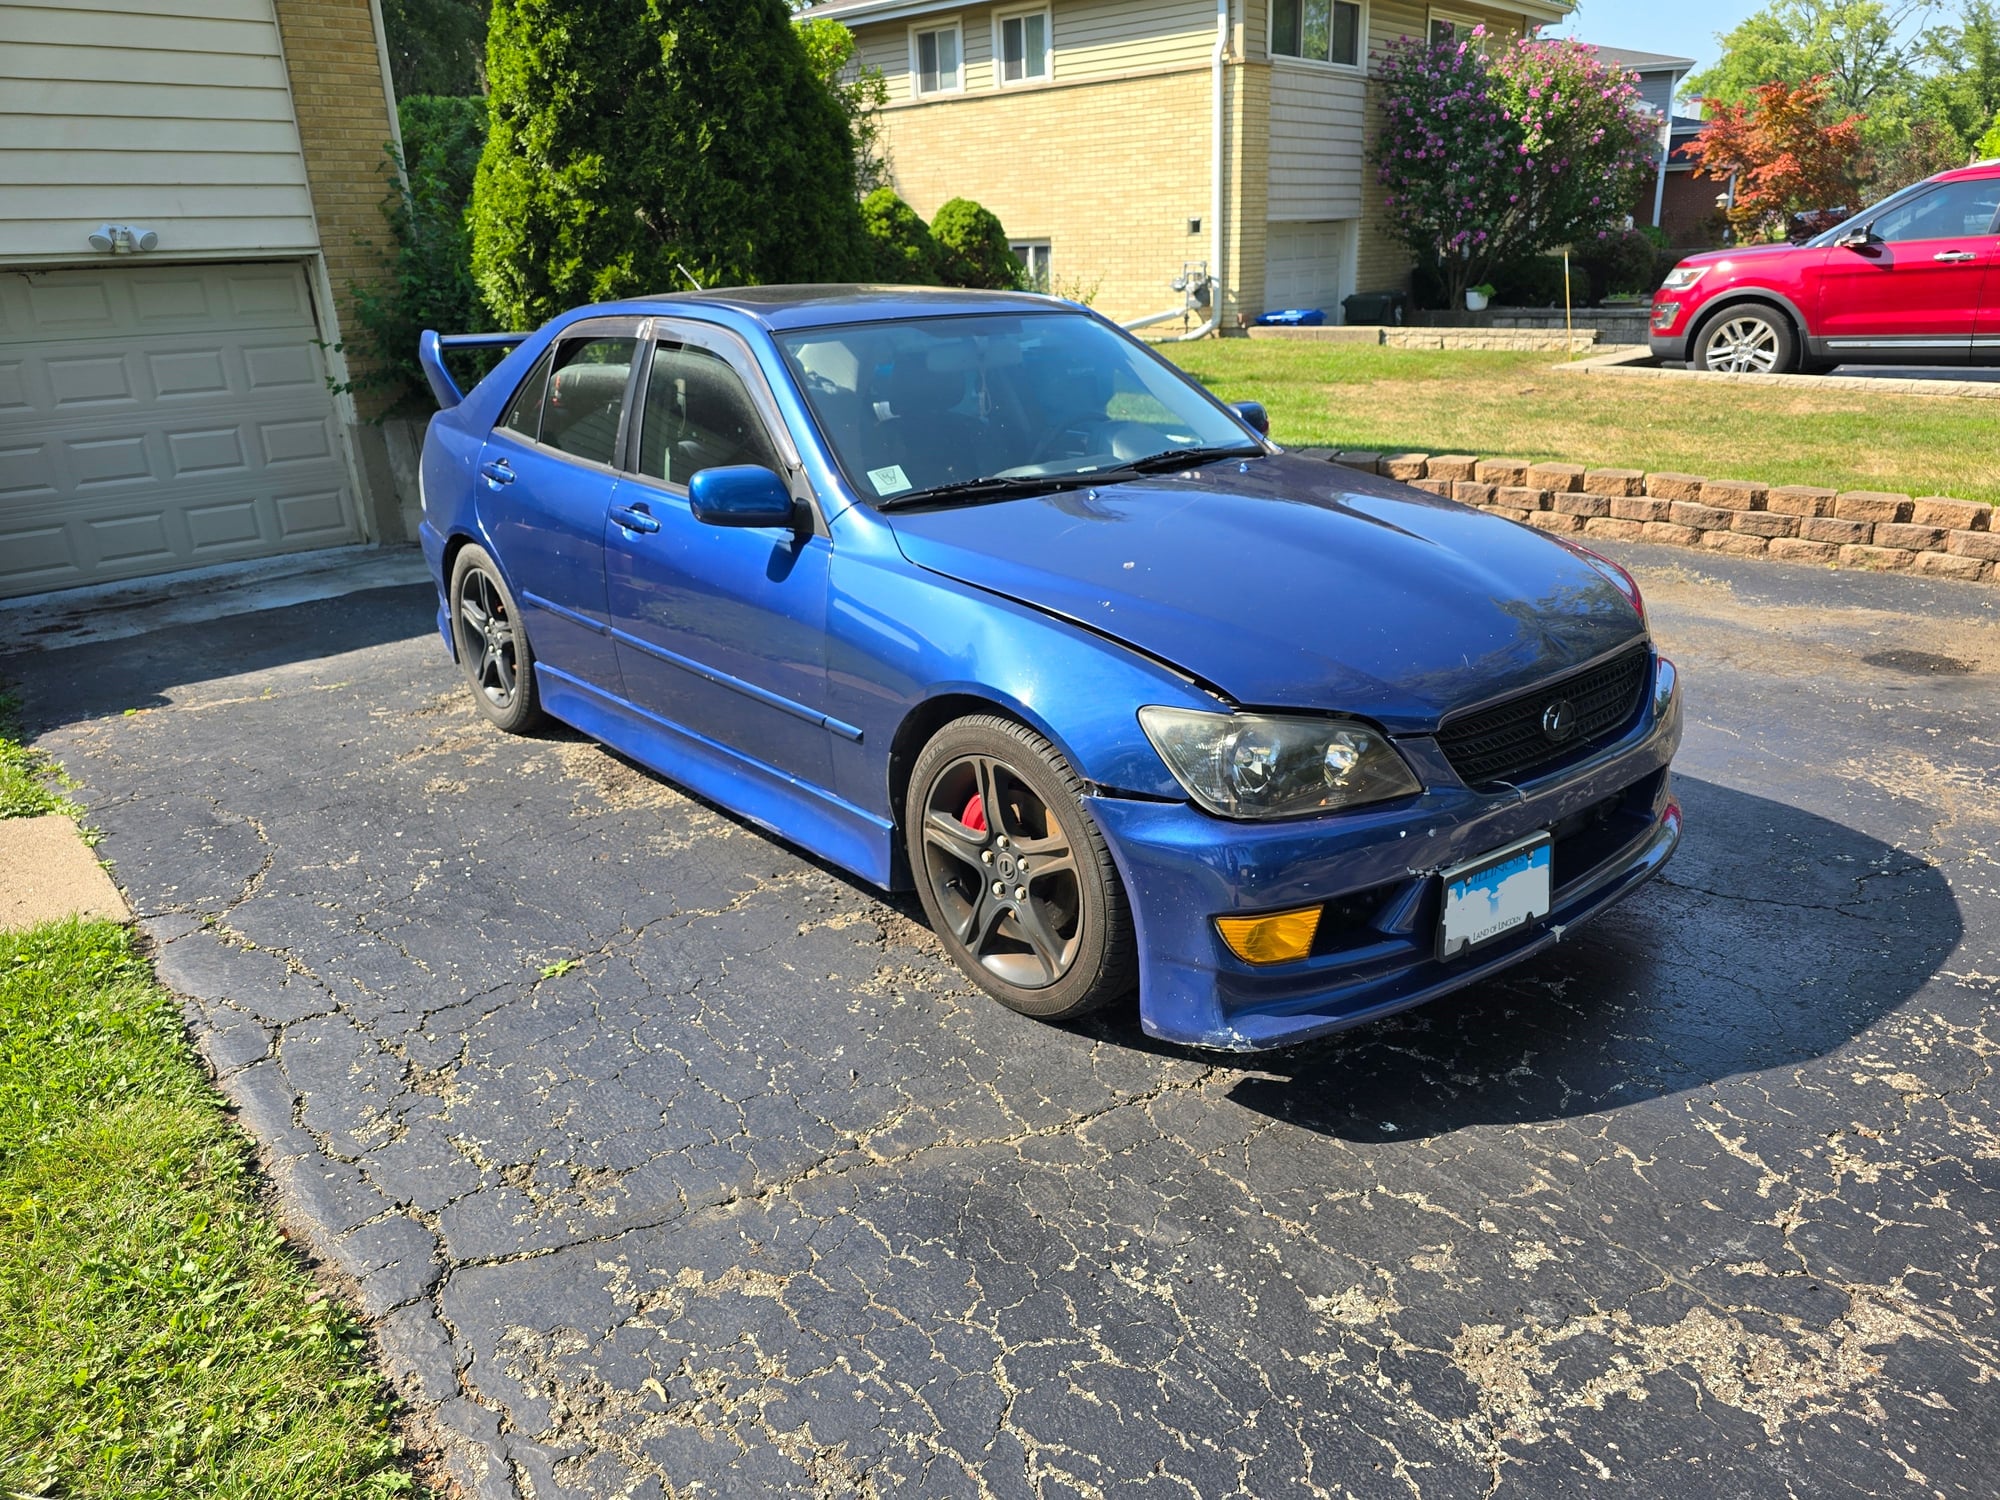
<point x="1253" y="413"/>
<point x="741" y="495"/>
<point x="1854" y="239"/>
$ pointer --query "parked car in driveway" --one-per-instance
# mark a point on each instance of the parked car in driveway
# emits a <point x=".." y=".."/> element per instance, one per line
<point x="1913" y="280"/>
<point x="973" y="592"/>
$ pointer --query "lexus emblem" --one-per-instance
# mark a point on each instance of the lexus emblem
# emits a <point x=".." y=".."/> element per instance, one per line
<point x="1559" y="720"/>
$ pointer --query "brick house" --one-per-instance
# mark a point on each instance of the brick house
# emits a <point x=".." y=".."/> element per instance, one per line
<point x="1119" y="139"/>
<point x="1672" y="198"/>
<point x="185" y="189"/>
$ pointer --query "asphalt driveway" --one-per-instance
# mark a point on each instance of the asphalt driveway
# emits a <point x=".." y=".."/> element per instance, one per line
<point x="675" y="1163"/>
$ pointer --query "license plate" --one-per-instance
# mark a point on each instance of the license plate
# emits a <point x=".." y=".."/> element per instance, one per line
<point x="1494" y="894"/>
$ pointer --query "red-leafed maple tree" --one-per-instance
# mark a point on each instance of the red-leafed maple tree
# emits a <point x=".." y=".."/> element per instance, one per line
<point x="1789" y="160"/>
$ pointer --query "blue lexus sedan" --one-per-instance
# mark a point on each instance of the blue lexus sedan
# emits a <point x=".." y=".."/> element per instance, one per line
<point x="974" y="593"/>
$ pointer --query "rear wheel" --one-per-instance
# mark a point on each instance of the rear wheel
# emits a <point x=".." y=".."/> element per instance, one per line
<point x="1014" y="874"/>
<point x="1747" y="340"/>
<point x="492" y="648"/>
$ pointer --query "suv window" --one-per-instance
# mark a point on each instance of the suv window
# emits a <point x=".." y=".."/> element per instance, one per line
<point x="1950" y="212"/>
<point x="698" y="416"/>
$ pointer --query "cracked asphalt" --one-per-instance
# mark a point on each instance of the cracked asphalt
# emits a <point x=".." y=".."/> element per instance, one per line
<point x="670" y="1162"/>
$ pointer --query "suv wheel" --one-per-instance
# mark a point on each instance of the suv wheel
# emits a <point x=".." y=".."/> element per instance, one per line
<point x="1747" y="341"/>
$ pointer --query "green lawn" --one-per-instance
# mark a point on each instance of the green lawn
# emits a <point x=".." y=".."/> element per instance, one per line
<point x="158" y="1337"/>
<point x="1506" y="405"/>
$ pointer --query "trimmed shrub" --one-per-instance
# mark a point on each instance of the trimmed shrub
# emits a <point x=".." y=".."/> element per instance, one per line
<point x="973" y="247"/>
<point x="1622" y="261"/>
<point x="631" y="138"/>
<point x="904" y="252"/>
<point x="1537" y="281"/>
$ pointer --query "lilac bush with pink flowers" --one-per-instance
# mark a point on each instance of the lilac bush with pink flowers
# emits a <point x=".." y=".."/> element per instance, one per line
<point x="1485" y="158"/>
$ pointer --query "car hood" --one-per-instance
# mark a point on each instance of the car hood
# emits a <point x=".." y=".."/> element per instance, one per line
<point x="1750" y="255"/>
<point x="1288" y="583"/>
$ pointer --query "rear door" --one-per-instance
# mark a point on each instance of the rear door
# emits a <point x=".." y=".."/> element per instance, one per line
<point x="1914" y="290"/>
<point x="545" y="481"/>
<point x="720" y="630"/>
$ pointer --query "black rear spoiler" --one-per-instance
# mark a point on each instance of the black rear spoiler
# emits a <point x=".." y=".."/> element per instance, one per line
<point x="430" y="354"/>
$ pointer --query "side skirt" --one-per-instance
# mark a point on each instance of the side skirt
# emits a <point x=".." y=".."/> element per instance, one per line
<point x="794" y="810"/>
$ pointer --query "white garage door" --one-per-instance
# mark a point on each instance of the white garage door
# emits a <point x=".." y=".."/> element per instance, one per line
<point x="1305" y="265"/>
<point x="162" y="417"/>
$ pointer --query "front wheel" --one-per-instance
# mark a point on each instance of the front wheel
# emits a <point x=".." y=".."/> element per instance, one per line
<point x="1747" y="341"/>
<point x="1014" y="874"/>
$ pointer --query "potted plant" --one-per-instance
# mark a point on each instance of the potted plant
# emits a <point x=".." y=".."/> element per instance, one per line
<point x="1476" y="297"/>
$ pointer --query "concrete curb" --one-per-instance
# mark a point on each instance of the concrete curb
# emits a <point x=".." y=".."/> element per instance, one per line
<point x="49" y="874"/>
<point x="1633" y="361"/>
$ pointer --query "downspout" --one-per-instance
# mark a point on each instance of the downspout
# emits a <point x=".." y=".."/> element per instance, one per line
<point x="1217" y="59"/>
<point x="1666" y="150"/>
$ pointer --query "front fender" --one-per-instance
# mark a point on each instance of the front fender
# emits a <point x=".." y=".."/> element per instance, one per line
<point x="901" y="641"/>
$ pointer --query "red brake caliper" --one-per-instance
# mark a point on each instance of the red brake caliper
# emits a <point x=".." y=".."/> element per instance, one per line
<point x="974" y="816"/>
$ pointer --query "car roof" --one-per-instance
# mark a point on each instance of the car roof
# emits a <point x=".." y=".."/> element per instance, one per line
<point x="1988" y="168"/>
<point x="779" y="308"/>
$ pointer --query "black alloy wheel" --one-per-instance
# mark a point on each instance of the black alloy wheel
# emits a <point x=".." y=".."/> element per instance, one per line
<point x="492" y="648"/>
<point x="1013" y="873"/>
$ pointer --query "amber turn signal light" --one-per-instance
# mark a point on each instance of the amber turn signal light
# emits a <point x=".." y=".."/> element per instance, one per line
<point x="1275" y="939"/>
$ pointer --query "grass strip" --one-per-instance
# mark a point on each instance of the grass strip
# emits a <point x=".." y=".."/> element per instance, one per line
<point x="162" y="1339"/>
<point x="1513" y="405"/>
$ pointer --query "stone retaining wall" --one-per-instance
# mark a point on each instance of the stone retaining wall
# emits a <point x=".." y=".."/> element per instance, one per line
<point x="1933" y="535"/>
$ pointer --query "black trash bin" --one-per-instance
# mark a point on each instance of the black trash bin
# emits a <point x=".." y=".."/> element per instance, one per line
<point x="1377" y="308"/>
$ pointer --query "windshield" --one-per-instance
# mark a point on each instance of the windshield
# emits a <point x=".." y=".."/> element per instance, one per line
<point x="917" y="406"/>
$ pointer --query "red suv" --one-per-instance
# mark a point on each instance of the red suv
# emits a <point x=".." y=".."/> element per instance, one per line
<point x="1913" y="280"/>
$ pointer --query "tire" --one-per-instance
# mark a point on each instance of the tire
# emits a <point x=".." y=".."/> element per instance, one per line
<point x="1747" y="339"/>
<point x="493" y="649"/>
<point x="1053" y="940"/>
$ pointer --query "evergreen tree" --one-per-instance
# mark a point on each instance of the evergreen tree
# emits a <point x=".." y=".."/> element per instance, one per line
<point x="629" y="139"/>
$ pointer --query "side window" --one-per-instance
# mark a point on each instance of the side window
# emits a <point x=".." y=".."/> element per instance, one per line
<point x="1951" y="212"/>
<point x="524" y="412"/>
<point x="698" y="416"/>
<point x="587" y="396"/>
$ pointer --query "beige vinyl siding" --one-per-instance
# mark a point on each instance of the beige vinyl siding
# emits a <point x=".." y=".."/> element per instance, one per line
<point x="1091" y="39"/>
<point x="1317" y="114"/>
<point x="171" y="114"/>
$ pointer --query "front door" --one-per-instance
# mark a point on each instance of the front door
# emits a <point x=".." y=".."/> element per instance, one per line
<point x="1915" y="287"/>
<point x="546" y="477"/>
<point x="719" y="630"/>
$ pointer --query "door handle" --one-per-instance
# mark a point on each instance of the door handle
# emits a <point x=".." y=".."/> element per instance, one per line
<point x="497" y="471"/>
<point x="1954" y="255"/>
<point x="633" y="518"/>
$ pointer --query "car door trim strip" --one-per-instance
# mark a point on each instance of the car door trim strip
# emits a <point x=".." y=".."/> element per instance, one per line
<point x="536" y="601"/>
<point x="736" y="684"/>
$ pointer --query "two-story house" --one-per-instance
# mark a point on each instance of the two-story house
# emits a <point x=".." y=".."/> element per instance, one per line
<point x="1120" y="140"/>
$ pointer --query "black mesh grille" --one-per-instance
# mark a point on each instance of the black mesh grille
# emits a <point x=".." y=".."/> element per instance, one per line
<point x="1507" y="742"/>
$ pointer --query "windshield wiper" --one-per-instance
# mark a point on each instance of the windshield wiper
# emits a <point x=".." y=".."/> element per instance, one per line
<point x="1182" y="458"/>
<point x="993" y="487"/>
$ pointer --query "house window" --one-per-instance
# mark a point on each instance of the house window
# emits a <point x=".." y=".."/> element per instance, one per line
<point x="1021" y="47"/>
<point x="1034" y="258"/>
<point x="937" y="61"/>
<point x="1455" y="29"/>
<point x="1319" y="30"/>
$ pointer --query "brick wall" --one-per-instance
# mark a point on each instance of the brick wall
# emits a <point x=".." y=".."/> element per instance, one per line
<point x="344" y="119"/>
<point x="1108" y="172"/>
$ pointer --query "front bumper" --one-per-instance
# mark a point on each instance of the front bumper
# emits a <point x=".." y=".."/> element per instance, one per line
<point x="1614" y="817"/>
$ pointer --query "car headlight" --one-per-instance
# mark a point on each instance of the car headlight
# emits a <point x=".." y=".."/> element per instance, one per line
<point x="1261" y="766"/>
<point x="1680" y="278"/>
